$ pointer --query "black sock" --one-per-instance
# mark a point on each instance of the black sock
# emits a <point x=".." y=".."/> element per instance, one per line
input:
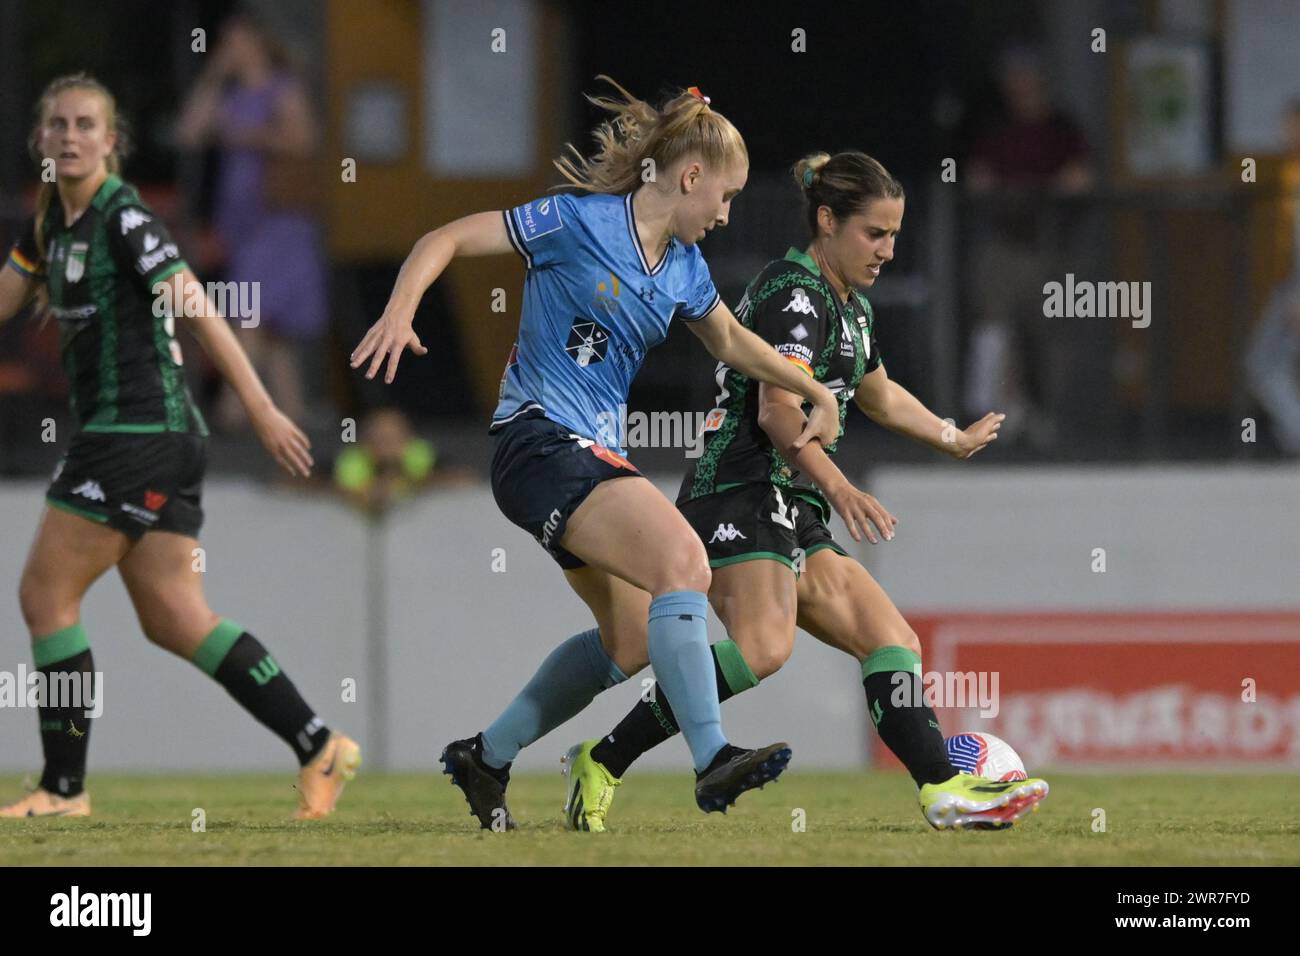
<point x="251" y="676"/>
<point x="65" y="730"/>
<point x="651" y="722"/>
<point x="910" y="728"/>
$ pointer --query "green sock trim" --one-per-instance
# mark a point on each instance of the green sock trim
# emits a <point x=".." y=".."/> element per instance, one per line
<point x="216" y="646"/>
<point x="737" y="673"/>
<point x="59" y="646"/>
<point x="890" y="659"/>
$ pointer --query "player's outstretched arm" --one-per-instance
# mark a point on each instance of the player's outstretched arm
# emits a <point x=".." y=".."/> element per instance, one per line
<point x="887" y="403"/>
<point x="16" y="290"/>
<point x="482" y="234"/>
<point x="736" y="346"/>
<point x="284" y="440"/>
<point x="780" y="415"/>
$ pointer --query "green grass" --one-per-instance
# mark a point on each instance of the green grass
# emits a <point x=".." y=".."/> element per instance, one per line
<point x="852" y="819"/>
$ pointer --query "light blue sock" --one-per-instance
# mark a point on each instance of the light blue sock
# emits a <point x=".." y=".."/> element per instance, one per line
<point x="683" y="664"/>
<point x="568" y="680"/>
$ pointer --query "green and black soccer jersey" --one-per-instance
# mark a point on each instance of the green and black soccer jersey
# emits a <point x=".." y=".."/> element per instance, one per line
<point x="122" y="360"/>
<point x="791" y="305"/>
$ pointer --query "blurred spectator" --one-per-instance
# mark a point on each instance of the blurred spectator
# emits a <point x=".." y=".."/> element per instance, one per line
<point x="252" y="103"/>
<point x="1273" y="349"/>
<point x="32" y="388"/>
<point x="1035" y="151"/>
<point x="390" y="463"/>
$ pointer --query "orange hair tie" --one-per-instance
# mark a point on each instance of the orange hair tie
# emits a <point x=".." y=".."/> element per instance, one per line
<point x="695" y="92"/>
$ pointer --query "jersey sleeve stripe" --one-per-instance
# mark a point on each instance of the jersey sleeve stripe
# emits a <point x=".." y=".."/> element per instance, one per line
<point x="717" y="300"/>
<point x="170" y="271"/>
<point x="24" y="265"/>
<point x="515" y="241"/>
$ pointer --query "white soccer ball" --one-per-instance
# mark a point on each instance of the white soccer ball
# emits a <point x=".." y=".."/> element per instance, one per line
<point x="985" y="756"/>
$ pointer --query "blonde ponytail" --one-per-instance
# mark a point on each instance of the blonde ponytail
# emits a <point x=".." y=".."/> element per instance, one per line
<point x="637" y="132"/>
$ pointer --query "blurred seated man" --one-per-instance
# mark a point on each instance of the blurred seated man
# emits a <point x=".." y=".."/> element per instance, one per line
<point x="1034" y="151"/>
<point x="1273" y="349"/>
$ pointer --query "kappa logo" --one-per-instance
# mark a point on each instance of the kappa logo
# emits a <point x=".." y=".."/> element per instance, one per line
<point x="799" y="302"/>
<point x="588" y="342"/>
<point x="91" y="490"/>
<point x="133" y="219"/>
<point x="726" y="532"/>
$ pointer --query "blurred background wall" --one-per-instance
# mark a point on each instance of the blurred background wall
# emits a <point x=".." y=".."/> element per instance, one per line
<point x="440" y="640"/>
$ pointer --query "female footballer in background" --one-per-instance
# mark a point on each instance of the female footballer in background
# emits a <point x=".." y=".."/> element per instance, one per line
<point x="607" y="272"/>
<point x="127" y="491"/>
<point x="760" y="506"/>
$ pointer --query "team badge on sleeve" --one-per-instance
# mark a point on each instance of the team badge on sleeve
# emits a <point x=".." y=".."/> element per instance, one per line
<point x="539" y="218"/>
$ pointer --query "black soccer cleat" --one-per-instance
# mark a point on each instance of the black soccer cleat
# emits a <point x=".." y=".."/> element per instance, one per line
<point x="733" y="771"/>
<point x="484" y="787"/>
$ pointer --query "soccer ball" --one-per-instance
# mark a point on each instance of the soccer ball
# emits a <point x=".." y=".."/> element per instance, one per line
<point x="985" y="756"/>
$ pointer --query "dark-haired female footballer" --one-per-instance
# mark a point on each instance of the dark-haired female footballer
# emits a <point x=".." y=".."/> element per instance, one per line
<point x="608" y="270"/>
<point x="760" y="506"/>
<point x="127" y="491"/>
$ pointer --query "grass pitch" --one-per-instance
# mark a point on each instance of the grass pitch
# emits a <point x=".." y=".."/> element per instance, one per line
<point x="851" y="819"/>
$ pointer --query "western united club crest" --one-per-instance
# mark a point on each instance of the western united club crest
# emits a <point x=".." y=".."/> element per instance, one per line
<point x="76" y="266"/>
<point x="588" y="342"/>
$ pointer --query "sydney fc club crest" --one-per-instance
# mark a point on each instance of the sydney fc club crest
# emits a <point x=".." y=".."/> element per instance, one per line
<point x="588" y="342"/>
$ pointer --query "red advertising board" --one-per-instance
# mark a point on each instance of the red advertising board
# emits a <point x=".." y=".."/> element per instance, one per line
<point x="1147" y="689"/>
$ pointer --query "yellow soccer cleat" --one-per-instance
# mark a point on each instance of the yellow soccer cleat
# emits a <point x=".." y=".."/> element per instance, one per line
<point x="588" y="788"/>
<point x="42" y="803"/>
<point x="322" y="780"/>
<point x="966" y="802"/>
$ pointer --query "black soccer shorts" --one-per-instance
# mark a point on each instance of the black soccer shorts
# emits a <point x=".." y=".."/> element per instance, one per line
<point x="542" y="472"/>
<point x="753" y="521"/>
<point x="133" y="482"/>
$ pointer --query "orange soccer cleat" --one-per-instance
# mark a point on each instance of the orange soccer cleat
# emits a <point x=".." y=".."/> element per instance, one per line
<point x="42" y="803"/>
<point x="322" y="780"/>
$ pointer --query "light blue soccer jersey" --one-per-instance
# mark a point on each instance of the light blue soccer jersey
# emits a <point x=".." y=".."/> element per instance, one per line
<point x="593" y="306"/>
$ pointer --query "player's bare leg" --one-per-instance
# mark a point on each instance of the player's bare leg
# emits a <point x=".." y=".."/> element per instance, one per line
<point x="842" y="605"/>
<point x="163" y="577"/>
<point x="755" y="601"/>
<point x="67" y="556"/>
<point x="628" y="528"/>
